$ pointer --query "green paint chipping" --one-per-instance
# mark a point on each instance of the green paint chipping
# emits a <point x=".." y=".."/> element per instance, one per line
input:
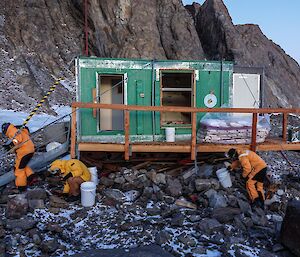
<point x="181" y="83"/>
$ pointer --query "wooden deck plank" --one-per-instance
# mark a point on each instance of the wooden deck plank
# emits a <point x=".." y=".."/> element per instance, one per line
<point x="284" y="127"/>
<point x="127" y="125"/>
<point x="73" y="133"/>
<point x="182" y="109"/>
<point x="254" y="132"/>
<point x="185" y="146"/>
<point x="194" y="137"/>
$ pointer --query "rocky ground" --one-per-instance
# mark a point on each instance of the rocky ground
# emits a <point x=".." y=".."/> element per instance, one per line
<point x="182" y="209"/>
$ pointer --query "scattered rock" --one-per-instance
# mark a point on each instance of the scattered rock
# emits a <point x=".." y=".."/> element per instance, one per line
<point x="2" y="232"/>
<point x="54" y="228"/>
<point x="57" y="202"/>
<point x="205" y="184"/>
<point x="199" y="251"/>
<point x="24" y="223"/>
<point x="17" y="207"/>
<point x="187" y="240"/>
<point x="153" y="211"/>
<point x="106" y="181"/>
<point x="177" y="220"/>
<point x="244" y="206"/>
<point x="36" y="204"/>
<point x="290" y="232"/>
<point x="194" y="218"/>
<point x="119" y="180"/>
<point x="174" y="187"/>
<point x="36" y="194"/>
<point x="115" y="194"/>
<point x="162" y="237"/>
<point x="36" y="239"/>
<point x="132" y="195"/>
<point x="160" y="179"/>
<point x="49" y="246"/>
<point x="226" y="214"/>
<point x="184" y="203"/>
<point x="209" y="226"/>
<point x="217" y="200"/>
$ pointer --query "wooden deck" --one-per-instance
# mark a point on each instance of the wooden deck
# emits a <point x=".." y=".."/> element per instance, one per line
<point x="276" y="144"/>
<point x="184" y="147"/>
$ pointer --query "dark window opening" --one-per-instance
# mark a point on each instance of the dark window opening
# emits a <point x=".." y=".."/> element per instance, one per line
<point x="176" y="90"/>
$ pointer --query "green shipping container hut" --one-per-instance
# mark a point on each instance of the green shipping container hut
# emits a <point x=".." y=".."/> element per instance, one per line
<point x="147" y="83"/>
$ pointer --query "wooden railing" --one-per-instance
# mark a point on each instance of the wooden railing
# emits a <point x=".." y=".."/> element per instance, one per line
<point x="192" y="110"/>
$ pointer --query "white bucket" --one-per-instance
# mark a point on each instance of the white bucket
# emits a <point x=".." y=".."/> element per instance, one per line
<point x="51" y="146"/>
<point x="170" y="134"/>
<point x="224" y="177"/>
<point x="94" y="175"/>
<point x="88" y="194"/>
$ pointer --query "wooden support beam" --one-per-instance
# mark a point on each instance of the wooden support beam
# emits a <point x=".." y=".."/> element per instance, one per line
<point x="254" y="132"/>
<point x="284" y="127"/>
<point x="182" y="109"/>
<point x="73" y="133"/>
<point x="94" y="94"/>
<point x="100" y="147"/>
<point x="268" y="145"/>
<point x="194" y="138"/>
<point x="126" y="128"/>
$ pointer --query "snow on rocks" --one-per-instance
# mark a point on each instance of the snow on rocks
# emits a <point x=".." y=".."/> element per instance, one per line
<point x="187" y="214"/>
<point x="207" y="222"/>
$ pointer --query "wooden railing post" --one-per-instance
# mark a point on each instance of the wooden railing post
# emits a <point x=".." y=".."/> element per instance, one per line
<point x="194" y="136"/>
<point x="73" y="133"/>
<point x="254" y="132"/>
<point x="284" y="126"/>
<point x="126" y="128"/>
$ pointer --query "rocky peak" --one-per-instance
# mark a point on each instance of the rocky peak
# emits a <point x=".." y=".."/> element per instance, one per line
<point x="246" y="45"/>
<point x="143" y="29"/>
<point x="47" y="35"/>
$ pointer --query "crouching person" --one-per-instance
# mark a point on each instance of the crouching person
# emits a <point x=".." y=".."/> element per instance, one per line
<point x="74" y="173"/>
<point x="254" y="171"/>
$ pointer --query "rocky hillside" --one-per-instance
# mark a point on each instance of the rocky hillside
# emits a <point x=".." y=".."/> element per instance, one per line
<point x="40" y="39"/>
<point x="247" y="46"/>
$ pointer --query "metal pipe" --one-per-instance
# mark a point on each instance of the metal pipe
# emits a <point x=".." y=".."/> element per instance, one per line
<point x="221" y="89"/>
<point x="152" y="102"/>
<point x="86" y="27"/>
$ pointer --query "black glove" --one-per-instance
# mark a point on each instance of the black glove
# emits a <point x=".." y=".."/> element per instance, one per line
<point x="8" y="146"/>
<point x="69" y="175"/>
<point x="21" y="126"/>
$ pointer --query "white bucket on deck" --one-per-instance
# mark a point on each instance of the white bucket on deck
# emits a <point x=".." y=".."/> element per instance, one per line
<point x="94" y="175"/>
<point x="224" y="177"/>
<point x="170" y="134"/>
<point x="88" y="194"/>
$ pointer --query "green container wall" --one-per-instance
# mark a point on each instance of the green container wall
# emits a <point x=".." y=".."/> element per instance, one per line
<point x="140" y="74"/>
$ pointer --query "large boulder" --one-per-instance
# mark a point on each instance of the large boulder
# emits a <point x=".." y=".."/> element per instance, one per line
<point x="290" y="230"/>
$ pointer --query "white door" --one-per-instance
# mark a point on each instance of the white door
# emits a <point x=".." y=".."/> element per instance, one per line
<point x="246" y="90"/>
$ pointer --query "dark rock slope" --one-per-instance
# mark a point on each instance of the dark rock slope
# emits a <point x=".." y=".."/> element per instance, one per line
<point x="248" y="46"/>
<point x="40" y="39"/>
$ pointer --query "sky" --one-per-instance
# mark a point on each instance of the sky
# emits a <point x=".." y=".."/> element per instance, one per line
<point x="279" y="20"/>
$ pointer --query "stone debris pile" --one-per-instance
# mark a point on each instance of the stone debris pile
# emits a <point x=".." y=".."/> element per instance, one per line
<point x="186" y="213"/>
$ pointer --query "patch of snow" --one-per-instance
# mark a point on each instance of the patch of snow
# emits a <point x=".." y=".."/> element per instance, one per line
<point x="36" y="122"/>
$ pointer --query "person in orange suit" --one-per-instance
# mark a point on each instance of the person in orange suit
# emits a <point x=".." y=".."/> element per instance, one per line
<point x="254" y="170"/>
<point x="24" y="149"/>
<point x="74" y="173"/>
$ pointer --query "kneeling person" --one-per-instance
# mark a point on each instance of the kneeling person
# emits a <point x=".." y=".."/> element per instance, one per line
<point x="74" y="173"/>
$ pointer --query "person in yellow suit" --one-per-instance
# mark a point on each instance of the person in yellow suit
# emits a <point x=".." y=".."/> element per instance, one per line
<point x="74" y="173"/>
<point x="24" y="149"/>
<point x="254" y="170"/>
